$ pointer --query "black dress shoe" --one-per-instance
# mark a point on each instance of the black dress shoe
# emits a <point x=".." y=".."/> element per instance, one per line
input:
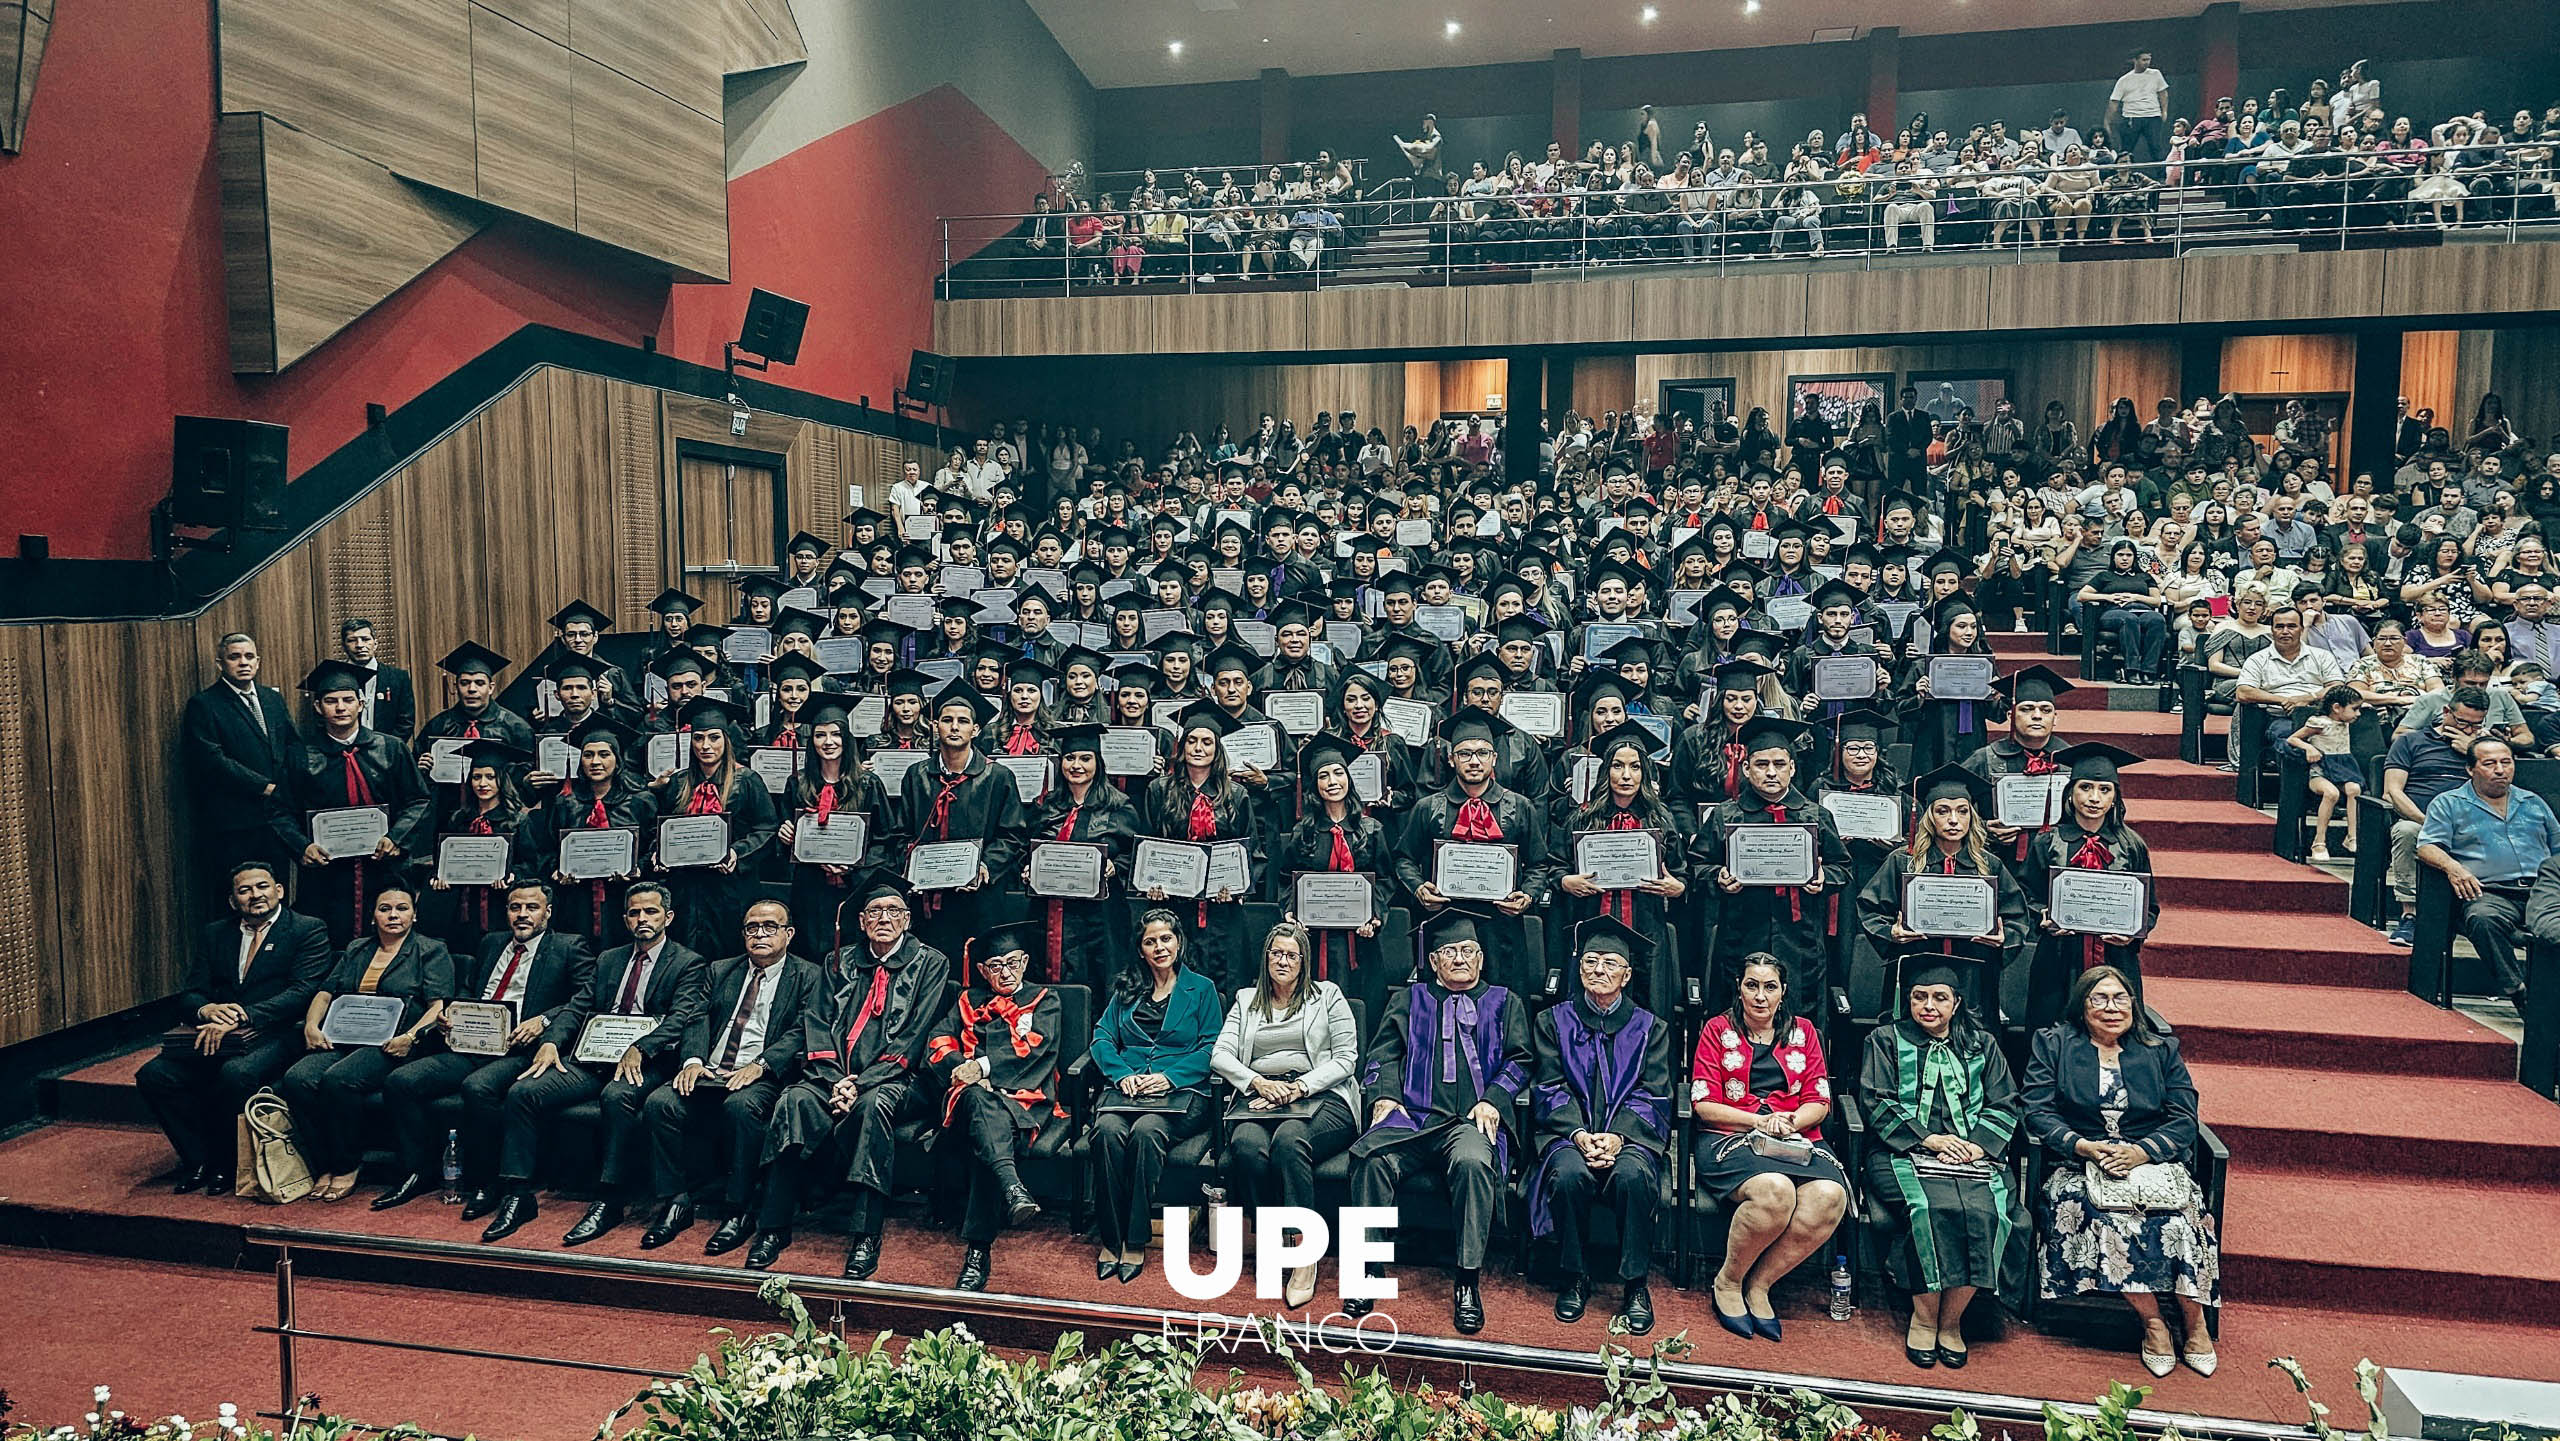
<point x="1466" y="1308"/>
<point x="732" y="1234"/>
<point x="220" y="1182"/>
<point x="1021" y="1208"/>
<point x="408" y="1188"/>
<point x="1356" y="1307"/>
<point x="671" y="1223"/>
<point x="973" y="1269"/>
<point x="189" y="1178"/>
<point x="480" y="1203"/>
<point x="513" y="1212"/>
<point x="863" y="1260"/>
<point x="768" y="1248"/>
<point x="1105" y="1266"/>
<point x="1953" y="1360"/>
<point x="601" y="1217"/>
<point x="1637" y="1307"/>
<point x="1574" y="1299"/>
<point x="1129" y="1271"/>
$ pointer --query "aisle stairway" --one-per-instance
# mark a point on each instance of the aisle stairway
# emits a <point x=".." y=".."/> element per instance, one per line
<point x="2382" y="1155"/>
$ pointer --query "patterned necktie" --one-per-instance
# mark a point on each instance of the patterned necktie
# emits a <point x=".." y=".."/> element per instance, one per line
<point x="1622" y="904"/>
<point x="1795" y="896"/>
<point x="1057" y="954"/>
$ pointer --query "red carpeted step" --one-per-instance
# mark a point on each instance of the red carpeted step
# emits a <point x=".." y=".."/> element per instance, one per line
<point x="2330" y="1028"/>
<point x="2417" y="1128"/>
<point x="2146" y="733"/>
<point x="103" y="1091"/>
<point x="2031" y="643"/>
<point x="2171" y="779"/>
<point x="2065" y="666"/>
<point x="2287" y="949"/>
<point x="2467" y="1252"/>
<point x="2196" y="825"/>
<point x="2236" y="881"/>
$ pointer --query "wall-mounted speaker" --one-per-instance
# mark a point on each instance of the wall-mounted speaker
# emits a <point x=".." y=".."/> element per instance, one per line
<point x="227" y="474"/>
<point x="929" y="378"/>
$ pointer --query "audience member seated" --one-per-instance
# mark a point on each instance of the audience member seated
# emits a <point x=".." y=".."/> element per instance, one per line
<point x="1151" y="1053"/>
<point x="1290" y="1050"/>
<point x="2490" y="837"/>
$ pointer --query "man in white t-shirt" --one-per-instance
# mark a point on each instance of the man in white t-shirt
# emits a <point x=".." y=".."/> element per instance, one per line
<point x="907" y="496"/>
<point x="2137" y="111"/>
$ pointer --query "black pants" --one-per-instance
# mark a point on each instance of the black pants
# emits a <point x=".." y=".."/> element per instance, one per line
<point x="410" y="1094"/>
<point x="2494" y="922"/>
<point x="621" y="1104"/>
<point x="866" y="1137"/>
<point x="1128" y="1151"/>
<point x="531" y="1100"/>
<point x="1455" y="1150"/>
<point x="326" y="1091"/>
<point x="995" y="1143"/>
<point x="195" y="1098"/>
<point x="737" y="1119"/>
<point x="1273" y="1163"/>
<point x="1631" y="1187"/>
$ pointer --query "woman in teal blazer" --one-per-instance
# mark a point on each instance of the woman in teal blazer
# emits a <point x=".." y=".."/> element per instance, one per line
<point x="1152" y="1049"/>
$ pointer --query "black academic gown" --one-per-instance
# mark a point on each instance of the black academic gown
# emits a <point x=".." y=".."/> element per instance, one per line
<point x="979" y="802"/>
<point x="1219" y="946"/>
<point x="1608" y="1073"/>
<point x="461" y="915"/>
<point x="1880" y="905"/>
<point x="818" y="892"/>
<point x="2060" y="958"/>
<point x="1650" y="915"/>
<point x="990" y="1127"/>
<point x="1518" y="823"/>
<point x="2005" y="757"/>
<point x="494" y="722"/>
<point x="710" y="905"/>
<point x="1346" y="958"/>
<point x="1084" y="942"/>
<point x="1782" y="920"/>
<point x="339" y="894"/>
<point x="873" y="1028"/>
<point x="594" y="908"/>
<point x="1436" y="1065"/>
<point x="1944" y="732"/>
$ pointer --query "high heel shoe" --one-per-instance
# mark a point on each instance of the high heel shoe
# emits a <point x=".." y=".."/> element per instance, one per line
<point x="1104" y="1265"/>
<point x="1739" y="1323"/>
<point x="1918" y="1355"/>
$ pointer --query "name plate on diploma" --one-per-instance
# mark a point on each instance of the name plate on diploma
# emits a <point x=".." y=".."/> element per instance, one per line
<point x="1128" y="751"/>
<point x="472" y="860"/>
<point x="607" y="1037"/>
<point x="1255" y="746"/>
<point x="2100" y="903"/>
<point x="773" y="765"/>
<point x="2029" y="802"/>
<point x="447" y="765"/>
<point x="892" y="765"/>
<point x="1065" y="870"/>
<point x="1960" y="677"/>
<point x="1474" y="870"/>
<point x="1865" y="817"/>
<point x="942" y="865"/>
<point x="360" y="1020"/>
<point x="839" y="842"/>
<point x="686" y="841"/>
<point x="349" y="832"/>
<point x="1030" y="775"/>
<point x="1773" y="855"/>
<point x="1334" y="900"/>
<point x="1299" y="712"/>
<point x="1539" y="713"/>
<point x="599" y="855"/>
<point x="1844" y="677"/>
<point x="478" y="1028"/>
<point x="1618" y="860"/>
<point x="1950" y="905"/>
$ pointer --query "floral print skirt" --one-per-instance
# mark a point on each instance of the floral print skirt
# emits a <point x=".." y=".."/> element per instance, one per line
<point x="2084" y="1249"/>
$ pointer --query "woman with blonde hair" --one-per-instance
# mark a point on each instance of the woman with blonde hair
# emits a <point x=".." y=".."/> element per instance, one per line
<point x="1289" y="1048"/>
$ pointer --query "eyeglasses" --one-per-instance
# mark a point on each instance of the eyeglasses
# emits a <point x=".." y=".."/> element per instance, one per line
<point x="1014" y="962"/>
<point x="1472" y="753"/>
<point x="764" y="928"/>
<point x="882" y="913"/>
<point x="2111" y="1003"/>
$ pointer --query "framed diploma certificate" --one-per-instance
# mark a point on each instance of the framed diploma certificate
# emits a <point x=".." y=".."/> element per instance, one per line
<point x="1475" y="871"/>
<point x="359" y="1020"/>
<point x="1599" y="635"/>
<point x="472" y="860"/>
<point x="554" y="756"/>
<point x="1758" y="545"/>
<point x="1030" y="775"/>
<point x="2029" y="802"/>
<point x="1176" y="868"/>
<point x="349" y="832"/>
<point x="1259" y="636"/>
<point x="1411" y="719"/>
<point x="1345" y="636"/>
<point x="1618" y="860"/>
<point x="607" y="1037"/>
<point x="963" y="579"/>
<point x="1230" y="869"/>
<point x="1299" y="712"/>
<point x="1443" y="622"/>
<point x="1773" y="855"/>
<point x="1865" y="817"/>
<point x="866" y="714"/>
<point x="1368" y="778"/>
<point x="666" y="752"/>
<point x="1128" y="751"/>
<point x="747" y="645"/>
<point x="842" y="654"/>
<point x="478" y="1028"/>
<point x="2100" y="903"/>
<point x="447" y="765"/>
<point x="1334" y="900"/>
<point x="942" y="865"/>
<point x="1789" y="612"/>
<point x="1540" y="713"/>
<point x="685" y="841"/>
<point x="1159" y="622"/>
<point x="773" y="765"/>
<point x="1065" y="870"/>
<point x="892" y="765"/>
<point x="1412" y="533"/>
<point x="1254" y="746"/>
<point x="839" y="842"/>
<point x="1950" y="905"/>
<point x="1167" y="714"/>
<point x="1844" y="677"/>
<point x="599" y="855"/>
<point x="1960" y="677"/>
<point x="915" y="612"/>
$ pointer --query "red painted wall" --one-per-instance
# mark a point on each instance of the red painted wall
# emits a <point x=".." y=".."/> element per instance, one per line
<point x="111" y="303"/>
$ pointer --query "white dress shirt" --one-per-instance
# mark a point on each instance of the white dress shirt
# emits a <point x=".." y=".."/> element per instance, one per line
<point x="253" y="935"/>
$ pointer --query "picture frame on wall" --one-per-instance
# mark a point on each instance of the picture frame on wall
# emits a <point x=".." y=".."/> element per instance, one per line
<point x="1843" y="397"/>
<point x="1945" y="395"/>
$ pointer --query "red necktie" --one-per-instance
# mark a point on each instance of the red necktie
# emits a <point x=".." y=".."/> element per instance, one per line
<point x="826" y="804"/>
<point x="1203" y="828"/>
<point x="471" y="731"/>
<point x="1795" y="896"/>
<point x="1338" y="858"/>
<point x="480" y="827"/>
<point x="1947" y="867"/>
<point x="507" y="977"/>
<point x="873" y="1001"/>
<point x="2093" y="854"/>
<point x="951" y="783"/>
<point x="1475" y="822"/>
<point x="1732" y="770"/>
<point x="630" y="1000"/>
<point x="1622" y="904"/>
<point x="596" y="820"/>
<point x="358" y="794"/>
<point x="789" y="735"/>
<point x="1058" y="908"/>
<point x="705" y="800"/>
<point x="1024" y="741"/>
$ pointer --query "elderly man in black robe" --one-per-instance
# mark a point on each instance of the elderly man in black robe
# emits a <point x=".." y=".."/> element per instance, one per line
<point x="996" y="1058"/>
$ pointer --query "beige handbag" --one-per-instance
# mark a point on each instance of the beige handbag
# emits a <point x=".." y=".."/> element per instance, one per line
<point x="2157" y="1186"/>
<point x="270" y="1165"/>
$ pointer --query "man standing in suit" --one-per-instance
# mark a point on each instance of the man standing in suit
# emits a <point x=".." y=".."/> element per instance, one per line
<point x="1907" y="433"/>
<point x="390" y="699"/>
<point x="248" y="984"/>
<point x="740" y="1050"/>
<point x="539" y="972"/>
<point x="237" y="737"/>
<point x="653" y="978"/>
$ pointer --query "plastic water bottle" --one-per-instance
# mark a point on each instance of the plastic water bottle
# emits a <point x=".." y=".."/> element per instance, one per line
<point x="453" y="1169"/>
<point x="1842" y="1306"/>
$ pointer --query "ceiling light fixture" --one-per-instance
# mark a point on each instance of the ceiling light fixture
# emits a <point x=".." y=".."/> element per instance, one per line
<point x="1450" y="29"/>
<point x="1173" y="48"/>
<point x="1750" y="7"/>
<point x="1649" y="14"/>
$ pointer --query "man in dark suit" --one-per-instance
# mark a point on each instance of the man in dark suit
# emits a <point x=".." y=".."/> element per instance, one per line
<point x="653" y="978"/>
<point x="248" y="984"/>
<point x="1907" y="433"/>
<point x="237" y="738"/>
<point x="390" y="698"/>
<point x="741" y="1049"/>
<point x="540" y="973"/>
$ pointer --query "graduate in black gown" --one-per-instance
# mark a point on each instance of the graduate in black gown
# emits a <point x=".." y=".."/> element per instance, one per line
<point x="491" y="806"/>
<point x="2092" y="835"/>
<point x="1602" y="1108"/>
<point x="995" y="1060"/>
<point x="1947" y="732"/>
<point x="1861" y="785"/>
<point x="958" y="794"/>
<point x="340" y="765"/>
<point x="1198" y="800"/>
<point x="1948" y="838"/>
<point x="604" y="796"/>
<point x="829" y="790"/>
<point x="1082" y="941"/>
<point x="714" y="780"/>
<point x="1444" y="1076"/>
<point x="1626" y="798"/>
<point x="1334" y="834"/>
<point x="1476" y="809"/>
<point x="1707" y="759"/>
<point x="1790" y="922"/>
<point x="471" y="674"/>
<point x="1358" y="719"/>
<point x="2030" y="748"/>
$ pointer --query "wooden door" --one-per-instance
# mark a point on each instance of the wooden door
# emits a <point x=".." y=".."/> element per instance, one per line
<point x="729" y="513"/>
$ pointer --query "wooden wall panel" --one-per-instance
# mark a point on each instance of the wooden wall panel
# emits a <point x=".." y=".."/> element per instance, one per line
<point x="2288" y="364"/>
<point x="2280" y="286"/>
<point x="441" y="572"/>
<point x="1736" y="306"/>
<point x="2454" y="280"/>
<point x="639" y="520"/>
<point x="1897" y="302"/>
<point x="389" y="80"/>
<point x="353" y="560"/>
<point x="652" y="172"/>
<point x="521" y="105"/>
<point x="1603" y="383"/>
<point x="546" y="18"/>
<point x="2100" y="294"/>
<point x="1590" y="312"/>
<point x="581" y="490"/>
<point x="1267" y="321"/>
<point x="511" y="445"/>
<point x="1386" y="318"/>
<point x="2524" y="369"/>
<point x="2142" y="371"/>
<point x="971" y="327"/>
<point x="30" y="938"/>
<point x="1086" y="325"/>
<point x="275" y="607"/>
<point x="248" y="261"/>
<point x="2428" y="361"/>
<point x="667" y="45"/>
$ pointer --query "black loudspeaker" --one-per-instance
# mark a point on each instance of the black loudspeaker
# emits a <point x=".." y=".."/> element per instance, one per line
<point x="771" y="331"/>
<point x="227" y="474"/>
<point x="929" y="378"/>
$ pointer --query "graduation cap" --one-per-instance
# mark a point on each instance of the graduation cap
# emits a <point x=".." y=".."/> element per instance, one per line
<point x="1791" y="528"/>
<point x="1632" y="650"/>
<point x="1640" y="505"/>
<point x="876" y="883"/>
<point x="1597" y="684"/>
<point x="1471" y="724"/>
<point x="1945" y="611"/>
<point x="707" y="712"/>
<point x="1039" y="593"/>
<point x="879" y="629"/>
<point x="706" y="637"/>
<point x="1863" y="725"/>
<point x="2032" y="684"/>
<point x="804" y="544"/>
<point x="1627" y="733"/>
<point x="1953" y="780"/>
<point x="761" y="585"/>
<point x="799" y="622"/>
<point x="579" y="610"/>
<point x="576" y="667"/>
<point x="1219" y="598"/>
<point x="1518" y="628"/>
<point x="1076" y="655"/>
<point x="863" y="515"/>
<point x="1322" y="749"/>
<point x="1769" y="732"/>
<point x="1743" y="672"/>
<point x="1207" y="714"/>
<point x="1898" y="500"/>
<point x="800" y="667"/>
<point x="826" y="709"/>
<point x="1506" y="585"/>
<point x="472" y="658"/>
<point x="917" y="557"/>
<point x="1179" y="640"/>
<point x="1028" y="670"/>
<point x="1293" y="611"/>
<point x="601" y="727"/>
<point x="1483" y="665"/>
<point x="1170" y="570"/>
<point x="2095" y="761"/>
<point x="1945" y="562"/>
<point x="1605" y="568"/>
<point x="1021" y="939"/>
<point x="1140" y="674"/>
<point x="1231" y="656"/>
<point x="1005" y="544"/>
<point x="1969" y="973"/>
<point x="678" y="661"/>
<point x="1082" y="736"/>
<point x="907" y="680"/>
<point x="961" y="693"/>
<point x="843" y="571"/>
<point x="490" y="750"/>
<point x="672" y="601"/>
<point x="1454" y="926"/>
<point x="1607" y="935"/>
<point x="1400" y="583"/>
<point x="1723" y="597"/>
<point x="1832" y="594"/>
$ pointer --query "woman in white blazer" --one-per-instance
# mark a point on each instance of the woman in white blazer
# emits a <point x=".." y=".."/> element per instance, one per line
<point x="1289" y="1048"/>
